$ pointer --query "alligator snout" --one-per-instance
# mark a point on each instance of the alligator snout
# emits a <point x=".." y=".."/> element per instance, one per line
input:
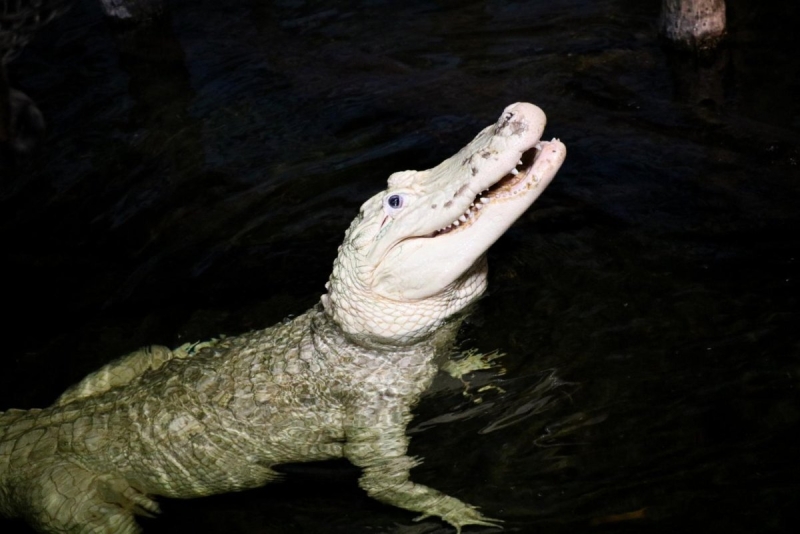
<point x="505" y="120"/>
<point x="516" y="119"/>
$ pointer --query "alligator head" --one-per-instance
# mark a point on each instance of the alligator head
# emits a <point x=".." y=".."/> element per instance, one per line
<point x="415" y="254"/>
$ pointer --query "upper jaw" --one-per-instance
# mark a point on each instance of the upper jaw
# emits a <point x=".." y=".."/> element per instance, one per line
<point x="445" y="193"/>
<point x="517" y="181"/>
<point x="497" y="164"/>
<point x="497" y="150"/>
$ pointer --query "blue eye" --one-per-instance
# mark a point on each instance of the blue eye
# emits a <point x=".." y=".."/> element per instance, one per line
<point x="395" y="202"/>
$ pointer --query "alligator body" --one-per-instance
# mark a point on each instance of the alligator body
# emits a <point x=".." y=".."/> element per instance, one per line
<point x="337" y="381"/>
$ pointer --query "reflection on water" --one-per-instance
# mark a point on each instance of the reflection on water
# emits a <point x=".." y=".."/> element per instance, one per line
<point x="198" y="177"/>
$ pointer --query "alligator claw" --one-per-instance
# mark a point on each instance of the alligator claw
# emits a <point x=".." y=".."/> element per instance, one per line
<point x="467" y="515"/>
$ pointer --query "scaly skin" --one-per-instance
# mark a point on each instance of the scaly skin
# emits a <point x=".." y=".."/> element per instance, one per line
<point x="337" y="381"/>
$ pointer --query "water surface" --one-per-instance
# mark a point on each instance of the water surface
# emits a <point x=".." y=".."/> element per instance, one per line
<point x="198" y="177"/>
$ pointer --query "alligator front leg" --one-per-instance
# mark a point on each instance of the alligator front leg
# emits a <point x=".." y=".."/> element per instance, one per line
<point x="376" y="442"/>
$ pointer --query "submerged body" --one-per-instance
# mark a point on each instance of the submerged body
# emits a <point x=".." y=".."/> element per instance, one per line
<point x="337" y="381"/>
<point x="212" y="422"/>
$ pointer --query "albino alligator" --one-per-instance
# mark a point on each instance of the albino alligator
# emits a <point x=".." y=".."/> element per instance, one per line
<point x="337" y="381"/>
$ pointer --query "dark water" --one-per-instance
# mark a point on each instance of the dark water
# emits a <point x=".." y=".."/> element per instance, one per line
<point x="198" y="177"/>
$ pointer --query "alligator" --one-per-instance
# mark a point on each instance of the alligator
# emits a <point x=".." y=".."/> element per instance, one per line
<point x="338" y="381"/>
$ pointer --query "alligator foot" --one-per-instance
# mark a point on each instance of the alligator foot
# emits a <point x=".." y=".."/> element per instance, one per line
<point x="459" y="515"/>
<point x="69" y="498"/>
<point x="473" y="360"/>
<point x="470" y="361"/>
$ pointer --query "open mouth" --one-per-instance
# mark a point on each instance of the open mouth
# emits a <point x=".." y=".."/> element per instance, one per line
<point x="520" y="179"/>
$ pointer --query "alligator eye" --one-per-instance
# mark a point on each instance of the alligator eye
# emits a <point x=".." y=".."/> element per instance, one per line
<point x="394" y="202"/>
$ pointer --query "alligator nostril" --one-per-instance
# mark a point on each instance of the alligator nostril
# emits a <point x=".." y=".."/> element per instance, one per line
<point x="505" y="118"/>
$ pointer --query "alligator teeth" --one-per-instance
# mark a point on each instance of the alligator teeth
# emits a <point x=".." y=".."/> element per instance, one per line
<point x="504" y="190"/>
<point x="466" y="217"/>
